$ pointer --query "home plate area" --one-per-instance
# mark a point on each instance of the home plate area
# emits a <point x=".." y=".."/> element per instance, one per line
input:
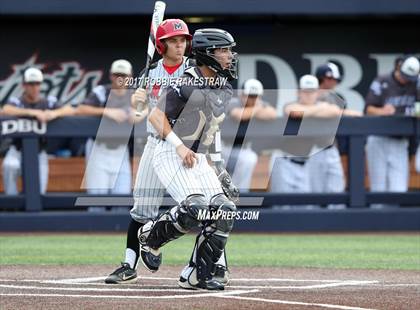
<point x="249" y="288"/>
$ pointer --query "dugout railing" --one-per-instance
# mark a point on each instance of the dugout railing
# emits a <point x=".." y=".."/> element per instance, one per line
<point x="31" y="211"/>
<point x="264" y="135"/>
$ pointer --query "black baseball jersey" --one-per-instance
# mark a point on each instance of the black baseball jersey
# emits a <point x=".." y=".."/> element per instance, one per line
<point x="49" y="103"/>
<point x="331" y="96"/>
<point x="160" y="77"/>
<point x="195" y="109"/>
<point x="103" y="95"/>
<point x="385" y="89"/>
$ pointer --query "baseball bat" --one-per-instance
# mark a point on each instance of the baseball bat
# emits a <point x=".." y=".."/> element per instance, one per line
<point x="157" y="18"/>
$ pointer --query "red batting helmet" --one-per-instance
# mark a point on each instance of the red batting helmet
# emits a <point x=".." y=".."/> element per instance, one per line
<point x="171" y="28"/>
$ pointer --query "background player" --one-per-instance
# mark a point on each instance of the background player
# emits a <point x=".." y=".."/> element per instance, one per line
<point x="241" y="159"/>
<point x="173" y="40"/>
<point x="387" y="157"/>
<point x="290" y="172"/>
<point x="108" y="169"/>
<point x="30" y="104"/>
<point x="325" y="168"/>
<point x="188" y="119"/>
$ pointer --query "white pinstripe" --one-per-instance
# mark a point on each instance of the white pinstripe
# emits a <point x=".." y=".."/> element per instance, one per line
<point x="148" y="190"/>
<point x="181" y="182"/>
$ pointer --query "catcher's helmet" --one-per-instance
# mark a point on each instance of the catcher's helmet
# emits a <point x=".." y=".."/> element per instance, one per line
<point x="205" y="41"/>
<point x="171" y="28"/>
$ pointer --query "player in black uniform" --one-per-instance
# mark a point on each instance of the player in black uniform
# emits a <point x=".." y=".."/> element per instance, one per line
<point x="187" y="119"/>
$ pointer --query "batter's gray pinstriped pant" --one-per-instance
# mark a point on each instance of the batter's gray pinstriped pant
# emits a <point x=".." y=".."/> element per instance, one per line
<point x="148" y="190"/>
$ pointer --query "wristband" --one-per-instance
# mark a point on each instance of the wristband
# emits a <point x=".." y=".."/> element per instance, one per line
<point x="216" y="157"/>
<point x="173" y="139"/>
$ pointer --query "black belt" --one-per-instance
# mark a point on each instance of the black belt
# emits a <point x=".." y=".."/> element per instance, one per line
<point x="296" y="161"/>
<point x="156" y="136"/>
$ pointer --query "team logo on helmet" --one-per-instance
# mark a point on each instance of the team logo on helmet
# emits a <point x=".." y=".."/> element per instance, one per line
<point x="177" y="26"/>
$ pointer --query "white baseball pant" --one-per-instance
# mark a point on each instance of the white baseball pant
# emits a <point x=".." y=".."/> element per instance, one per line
<point x="107" y="170"/>
<point x="12" y="164"/>
<point x="179" y="181"/>
<point x="245" y="160"/>
<point x="148" y="190"/>
<point x="388" y="167"/>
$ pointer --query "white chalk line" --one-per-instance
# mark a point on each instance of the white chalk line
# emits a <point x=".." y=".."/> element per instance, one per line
<point x="113" y="289"/>
<point x="226" y="294"/>
<point x="229" y="293"/>
<point x="94" y="279"/>
<point x="78" y="280"/>
<point x="400" y="284"/>
<point x="127" y="285"/>
<point x="298" y="287"/>
<point x="307" y="287"/>
<point x="92" y="289"/>
<point x="287" y="302"/>
<point x="262" y="279"/>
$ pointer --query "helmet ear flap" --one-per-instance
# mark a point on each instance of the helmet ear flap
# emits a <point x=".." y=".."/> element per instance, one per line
<point x="160" y="47"/>
<point x="164" y="46"/>
<point x="188" y="48"/>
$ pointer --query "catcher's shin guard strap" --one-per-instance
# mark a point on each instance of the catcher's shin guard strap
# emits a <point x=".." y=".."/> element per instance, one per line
<point x="163" y="231"/>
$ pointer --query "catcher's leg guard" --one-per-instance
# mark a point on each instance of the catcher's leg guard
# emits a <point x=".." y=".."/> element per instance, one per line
<point x="174" y="223"/>
<point x="211" y="242"/>
<point x="222" y="273"/>
<point x="169" y="226"/>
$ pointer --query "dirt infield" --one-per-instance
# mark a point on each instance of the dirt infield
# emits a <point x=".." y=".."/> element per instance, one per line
<point x="82" y="287"/>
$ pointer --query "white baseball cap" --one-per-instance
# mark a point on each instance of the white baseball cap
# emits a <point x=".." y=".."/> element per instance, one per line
<point x="121" y="66"/>
<point x="32" y="75"/>
<point x="410" y="69"/>
<point x="253" y="87"/>
<point x="309" y="82"/>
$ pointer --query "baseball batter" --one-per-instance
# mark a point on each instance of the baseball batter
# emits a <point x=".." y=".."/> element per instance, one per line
<point x="387" y="157"/>
<point x="187" y="118"/>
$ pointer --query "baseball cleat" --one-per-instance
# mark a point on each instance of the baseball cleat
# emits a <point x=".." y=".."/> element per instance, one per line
<point x="222" y="274"/>
<point x="123" y="274"/>
<point x="151" y="259"/>
<point x="210" y="285"/>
